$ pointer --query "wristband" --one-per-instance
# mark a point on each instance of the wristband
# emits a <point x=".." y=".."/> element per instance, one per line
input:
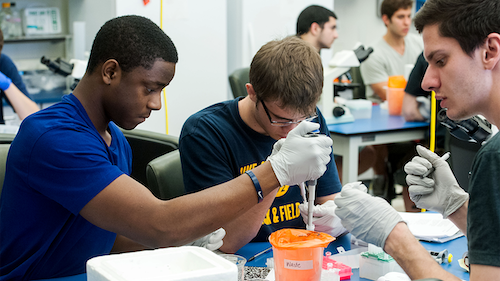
<point x="256" y="185"/>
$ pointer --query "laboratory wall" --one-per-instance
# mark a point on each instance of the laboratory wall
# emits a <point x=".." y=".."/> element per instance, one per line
<point x="198" y="30"/>
<point x="359" y="22"/>
<point x="213" y="39"/>
<point x="252" y="23"/>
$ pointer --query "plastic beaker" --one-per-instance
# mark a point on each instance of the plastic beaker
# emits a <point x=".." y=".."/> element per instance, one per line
<point x="298" y="253"/>
<point x="395" y="94"/>
<point x="395" y="100"/>
<point x="240" y="263"/>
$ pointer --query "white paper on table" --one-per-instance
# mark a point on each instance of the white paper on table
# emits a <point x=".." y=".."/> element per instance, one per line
<point x="270" y="276"/>
<point x="431" y="226"/>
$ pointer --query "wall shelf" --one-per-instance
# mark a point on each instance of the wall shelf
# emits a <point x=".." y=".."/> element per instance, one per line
<point x="52" y="37"/>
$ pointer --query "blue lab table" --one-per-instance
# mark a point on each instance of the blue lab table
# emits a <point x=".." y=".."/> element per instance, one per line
<point x="381" y="128"/>
<point x="455" y="247"/>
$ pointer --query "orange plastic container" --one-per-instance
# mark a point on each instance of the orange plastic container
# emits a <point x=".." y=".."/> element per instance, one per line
<point x="395" y="94"/>
<point x="298" y="253"/>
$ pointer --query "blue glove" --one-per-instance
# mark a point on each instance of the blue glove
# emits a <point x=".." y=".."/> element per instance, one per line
<point x="4" y="82"/>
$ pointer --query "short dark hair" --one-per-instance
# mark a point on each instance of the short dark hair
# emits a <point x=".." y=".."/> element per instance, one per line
<point x="133" y="41"/>
<point x="468" y="21"/>
<point x="290" y="72"/>
<point x="389" y="7"/>
<point x="313" y="13"/>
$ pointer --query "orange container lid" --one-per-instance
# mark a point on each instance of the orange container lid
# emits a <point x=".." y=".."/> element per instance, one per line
<point x="5" y="4"/>
<point x="291" y="239"/>
<point x="397" y="81"/>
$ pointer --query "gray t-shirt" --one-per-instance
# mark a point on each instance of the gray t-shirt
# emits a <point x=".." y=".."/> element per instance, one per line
<point x="385" y="62"/>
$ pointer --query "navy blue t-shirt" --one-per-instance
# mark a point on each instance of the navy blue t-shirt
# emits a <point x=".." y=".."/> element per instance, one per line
<point x="217" y="146"/>
<point x="8" y="68"/>
<point x="56" y="164"/>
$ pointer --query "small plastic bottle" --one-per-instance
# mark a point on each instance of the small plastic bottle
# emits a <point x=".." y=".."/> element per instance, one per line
<point x="17" y="28"/>
<point x="6" y="19"/>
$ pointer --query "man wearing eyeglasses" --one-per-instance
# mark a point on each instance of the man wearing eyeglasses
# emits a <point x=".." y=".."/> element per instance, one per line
<point x="227" y="139"/>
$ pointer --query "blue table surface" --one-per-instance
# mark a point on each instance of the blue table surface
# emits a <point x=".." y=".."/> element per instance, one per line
<point x="456" y="247"/>
<point x="380" y="121"/>
<point x="48" y="96"/>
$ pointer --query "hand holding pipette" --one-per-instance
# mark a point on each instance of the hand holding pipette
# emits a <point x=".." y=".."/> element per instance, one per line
<point x="431" y="170"/>
<point x="300" y="159"/>
<point x="441" y="192"/>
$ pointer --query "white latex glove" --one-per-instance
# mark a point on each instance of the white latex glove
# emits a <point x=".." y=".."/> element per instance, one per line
<point x="301" y="158"/>
<point x="324" y="218"/>
<point x="212" y="241"/>
<point x="369" y="218"/>
<point x="277" y="146"/>
<point x="441" y="192"/>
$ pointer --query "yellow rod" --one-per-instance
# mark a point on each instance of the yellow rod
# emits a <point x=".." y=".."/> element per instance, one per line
<point x="433" y="123"/>
<point x="164" y="94"/>
<point x="432" y="145"/>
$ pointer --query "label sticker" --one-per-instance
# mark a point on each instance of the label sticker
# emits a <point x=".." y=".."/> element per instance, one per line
<point x="299" y="265"/>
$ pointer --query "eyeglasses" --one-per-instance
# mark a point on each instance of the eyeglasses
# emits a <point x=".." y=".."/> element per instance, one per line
<point x="285" y="123"/>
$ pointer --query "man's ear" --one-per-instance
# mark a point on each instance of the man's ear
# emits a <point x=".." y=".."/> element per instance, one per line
<point x="491" y="52"/>
<point x="386" y="20"/>
<point x="315" y="28"/>
<point x="251" y="92"/>
<point x="110" y="71"/>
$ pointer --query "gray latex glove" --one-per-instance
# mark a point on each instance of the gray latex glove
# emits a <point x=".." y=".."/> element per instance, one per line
<point x="440" y="192"/>
<point x="299" y="158"/>
<point x="212" y="241"/>
<point x="324" y="218"/>
<point x="369" y="218"/>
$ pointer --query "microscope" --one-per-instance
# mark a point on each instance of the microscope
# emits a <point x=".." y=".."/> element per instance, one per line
<point x="340" y="63"/>
<point x="475" y="129"/>
<point x="74" y="70"/>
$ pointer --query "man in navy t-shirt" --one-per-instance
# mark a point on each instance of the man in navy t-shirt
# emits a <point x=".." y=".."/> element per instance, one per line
<point x="225" y="140"/>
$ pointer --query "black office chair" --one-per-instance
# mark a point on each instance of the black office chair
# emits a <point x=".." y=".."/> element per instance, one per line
<point x="147" y="146"/>
<point x="237" y="80"/>
<point x="461" y="157"/>
<point x="4" y="149"/>
<point x="164" y="176"/>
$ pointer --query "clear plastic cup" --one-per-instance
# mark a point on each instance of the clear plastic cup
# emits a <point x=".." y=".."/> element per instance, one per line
<point x="395" y="100"/>
<point x="240" y="263"/>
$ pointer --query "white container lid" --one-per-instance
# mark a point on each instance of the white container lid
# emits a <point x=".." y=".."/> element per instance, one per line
<point x="358" y="104"/>
<point x="176" y="263"/>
